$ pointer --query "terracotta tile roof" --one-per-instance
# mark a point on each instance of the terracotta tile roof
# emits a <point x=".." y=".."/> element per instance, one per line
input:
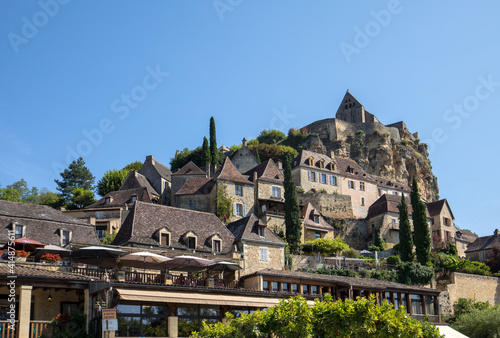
<point x="121" y="197"/>
<point x="389" y="203"/>
<point x="190" y="169"/>
<point x="358" y="283"/>
<point x="196" y="185"/>
<point x="228" y="172"/>
<point x="267" y="169"/>
<point x="485" y="242"/>
<point x="27" y="271"/>
<point x="307" y="213"/>
<point x="435" y="208"/>
<point x="136" y="180"/>
<point x="43" y="224"/>
<point x="247" y="229"/>
<point x="144" y="220"/>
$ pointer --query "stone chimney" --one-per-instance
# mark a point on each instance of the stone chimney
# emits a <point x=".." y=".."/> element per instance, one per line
<point x="279" y="164"/>
<point x="207" y="170"/>
<point x="176" y="153"/>
<point x="255" y="176"/>
<point x="332" y="154"/>
<point x="244" y="142"/>
<point x="496" y="232"/>
<point x="150" y="158"/>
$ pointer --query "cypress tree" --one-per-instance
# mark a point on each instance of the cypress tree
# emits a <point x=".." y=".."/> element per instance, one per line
<point x="405" y="239"/>
<point x="420" y="226"/>
<point x="257" y="157"/>
<point x="292" y="211"/>
<point x="213" y="142"/>
<point x="205" y="152"/>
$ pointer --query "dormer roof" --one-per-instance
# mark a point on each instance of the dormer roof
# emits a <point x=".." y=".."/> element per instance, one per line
<point x="190" y="169"/>
<point x="228" y="172"/>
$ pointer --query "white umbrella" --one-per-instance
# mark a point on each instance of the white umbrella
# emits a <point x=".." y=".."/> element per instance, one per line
<point x="55" y="249"/>
<point x="363" y="252"/>
<point x="188" y="262"/>
<point x="143" y="258"/>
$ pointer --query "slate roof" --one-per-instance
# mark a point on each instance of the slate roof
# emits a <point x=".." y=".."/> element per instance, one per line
<point x="190" y="169"/>
<point x="27" y="271"/>
<point x="360" y="283"/>
<point x="137" y="180"/>
<point x="121" y="197"/>
<point x="196" y="185"/>
<point x="228" y="172"/>
<point x="485" y="242"/>
<point x="307" y="213"/>
<point x="389" y="203"/>
<point x="435" y="208"/>
<point x="267" y="169"/>
<point x="43" y="224"/>
<point x="467" y="235"/>
<point x="144" y="220"/>
<point x="162" y="170"/>
<point x="385" y="183"/>
<point x="247" y="229"/>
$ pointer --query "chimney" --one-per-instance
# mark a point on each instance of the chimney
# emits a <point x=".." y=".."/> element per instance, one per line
<point x="255" y="176"/>
<point x="332" y="154"/>
<point x="207" y="170"/>
<point x="150" y="158"/>
<point x="279" y="164"/>
<point x="176" y="153"/>
<point x="244" y="142"/>
<point x="496" y="232"/>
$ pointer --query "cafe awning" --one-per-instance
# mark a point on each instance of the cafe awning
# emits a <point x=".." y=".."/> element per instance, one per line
<point x="197" y="298"/>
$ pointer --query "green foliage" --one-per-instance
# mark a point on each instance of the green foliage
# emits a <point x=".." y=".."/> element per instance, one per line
<point x="74" y="328"/>
<point x="77" y="175"/>
<point x="274" y="151"/>
<point x="379" y="243"/>
<point x="111" y="181"/>
<point x="359" y="134"/>
<point x="300" y="190"/>
<point x="327" y="318"/>
<point x="385" y="275"/>
<point x="223" y="203"/>
<point x="271" y="136"/>
<point x="257" y="157"/>
<point x="19" y="191"/>
<point x="335" y="272"/>
<point x="374" y="248"/>
<point x="322" y="191"/>
<point x="295" y="139"/>
<point x="80" y="198"/>
<point x="467" y="305"/>
<point x="479" y="323"/>
<point x="205" y="152"/>
<point x="195" y="155"/>
<point x="292" y="211"/>
<point x="405" y="236"/>
<point x="395" y="249"/>
<point x="466" y="266"/>
<point x="328" y="246"/>
<point x="214" y="152"/>
<point x="420" y="225"/>
<point x="494" y="260"/>
<point x="451" y="249"/>
<point x="393" y="260"/>
<point x="403" y="143"/>
<point x="137" y="166"/>
<point x="414" y="273"/>
<point x="351" y="253"/>
<point x="108" y="237"/>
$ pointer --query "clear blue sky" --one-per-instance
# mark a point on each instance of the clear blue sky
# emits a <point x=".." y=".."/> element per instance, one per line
<point x="83" y="65"/>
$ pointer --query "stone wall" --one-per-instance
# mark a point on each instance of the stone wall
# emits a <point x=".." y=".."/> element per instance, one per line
<point x="247" y="199"/>
<point x="329" y="205"/>
<point x="244" y="160"/>
<point x="204" y="202"/>
<point x="252" y="262"/>
<point x="480" y="288"/>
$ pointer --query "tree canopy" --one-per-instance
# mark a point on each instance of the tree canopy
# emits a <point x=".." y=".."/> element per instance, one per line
<point x="205" y="157"/>
<point x="112" y="180"/>
<point x="77" y="175"/>
<point x="271" y="136"/>
<point x="19" y="191"/>
<point x="80" y="198"/>
<point x="195" y="155"/>
<point x="214" y="153"/>
<point x="328" y="246"/>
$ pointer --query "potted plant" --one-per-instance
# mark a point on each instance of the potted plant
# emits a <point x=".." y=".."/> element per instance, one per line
<point x="62" y="319"/>
<point x="21" y="256"/>
<point x="50" y="258"/>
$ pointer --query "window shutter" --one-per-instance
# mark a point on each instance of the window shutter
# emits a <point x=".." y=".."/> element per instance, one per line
<point x="234" y="208"/>
<point x="244" y="210"/>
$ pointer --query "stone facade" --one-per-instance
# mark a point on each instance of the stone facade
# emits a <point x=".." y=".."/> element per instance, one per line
<point x="332" y="206"/>
<point x="246" y="200"/>
<point x="106" y="219"/>
<point x="244" y="160"/>
<point x="252" y="257"/>
<point x="200" y="202"/>
<point x="159" y="176"/>
<point x="388" y="225"/>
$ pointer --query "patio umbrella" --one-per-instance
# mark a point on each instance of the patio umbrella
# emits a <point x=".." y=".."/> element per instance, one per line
<point x="96" y="254"/>
<point x="364" y="252"/>
<point x="143" y="259"/>
<point x="25" y="244"/>
<point x="53" y="249"/>
<point x="188" y="263"/>
<point x="224" y="266"/>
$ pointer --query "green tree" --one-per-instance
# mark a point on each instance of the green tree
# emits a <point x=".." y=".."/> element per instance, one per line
<point x="479" y="323"/>
<point x="223" y="203"/>
<point x="77" y="175"/>
<point x="378" y="244"/>
<point x="414" y="273"/>
<point x="80" y="198"/>
<point x="19" y="192"/>
<point x="187" y="155"/>
<point x="214" y="154"/>
<point x="292" y="211"/>
<point x="137" y="166"/>
<point x="328" y="246"/>
<point x="257" y="157"/>
<point x="46" y="197"/>
<point x="271" y="136"/>
<point x="405" y="237"/>
<point x="205" y="152"/>
<point x="111" y="181"/>
<point x="276" y="152"/>
<point x="108" y="237"/>
<point x="420" y="226"/>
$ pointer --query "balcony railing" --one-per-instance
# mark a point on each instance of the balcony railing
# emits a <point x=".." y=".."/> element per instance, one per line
<point x="6" y="331"/>
<point x="39" y="327"/>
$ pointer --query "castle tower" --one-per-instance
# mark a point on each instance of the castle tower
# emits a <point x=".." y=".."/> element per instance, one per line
<point x="351" y="110"/>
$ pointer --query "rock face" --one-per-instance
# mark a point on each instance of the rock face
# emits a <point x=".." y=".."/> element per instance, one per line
<point x="381" y="154"/>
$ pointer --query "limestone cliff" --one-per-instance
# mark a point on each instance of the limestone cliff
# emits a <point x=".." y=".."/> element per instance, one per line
<point x="378" y="153"/>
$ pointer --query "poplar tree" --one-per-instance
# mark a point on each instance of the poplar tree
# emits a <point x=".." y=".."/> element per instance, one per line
<point x="420" y="226"/>
<point x="213" y="142"/>
<point x="205" y="152"/>
<point x="405" y="238"/>
<point x="292" y="211"/>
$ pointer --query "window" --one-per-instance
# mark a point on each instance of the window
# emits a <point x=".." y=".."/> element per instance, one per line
<point x="447" y="221"/>
<point x="276" y="287"/>
<point x="393" y="223"/>
<point x="263" y="255"/>
<point x="238" y="190"/>
<point x="65" y="237"/>
<point x="192" y="205"/>
<point x="100" y="230"/>
<point x="315" y="289"/>
<point x="295" y="287"/>
<point x="362" y="201"/>
<point x="133" y="199"/>
<point x="317" y="235"/>
<point x="276" y="192"/>
<point x="165" y="239"/>
<point x="333" y="180"/>
<point x="107" y="200"/>
<point x="322" y="164"/>
<point x="310" y="161"/>
<point x="351" y="184"/>
<point x="312" y="176"/>
<point x="265" y="285"/>
<point x="238" y="210"/>
<point x="261" y="231"/>
<point x="19" y="231"/>
<point x="322" y="178"/>
<point x="305" y="289"/>
<point x="362" y="186"/>
<point x="217" y="245"/>
<point x="316" y="218"/>
<point x="191" y="243"/>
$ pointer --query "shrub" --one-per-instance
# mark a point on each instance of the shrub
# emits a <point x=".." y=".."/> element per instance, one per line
<point x="393" y="260"/>
<point x="351" y="253"/>
<point x="322" y="191"/>
<point x="300" y="190"/>
<point x="334" y="272"/>
<point x="479" y="323"/>
<point x="403" y="143"/>
<point x="386" y="275"/>
<point x="414" y="273"/>
<point x="359" y="133"/>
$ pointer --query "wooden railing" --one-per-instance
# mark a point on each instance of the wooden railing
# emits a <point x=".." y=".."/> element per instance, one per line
<point x="39" y="327"/>
<point x="97" y="273"/>
<point x="145" y="278"/>
<point x="6" y="331"/>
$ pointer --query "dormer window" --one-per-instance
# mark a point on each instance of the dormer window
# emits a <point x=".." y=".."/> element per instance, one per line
<point x="133" y="199"/>
<point x="216" y="243"/>
<point x="310" y="161"/>
<point x="191" y="240"/>
<point x="260" y="230"/>
<point x="65" y="236"/>
<point x="316" y="218"/>
<point x="107" y="200"/>
<point x="19" y="231"/>
<point x="191" y="243"/>
<point x="164" y="237"/>
<point x="322" y="164"/>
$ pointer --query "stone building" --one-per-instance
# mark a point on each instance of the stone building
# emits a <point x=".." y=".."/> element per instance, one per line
<point x="243" y="159"/>
<point x="351" y="110"/>
<point x="313" y="224"/>
<point x="180" y="177"/>
<point x="482" y="247"/>
<point x="260" y="248"/>
<point x="443" y="227"/>
<point x="159" y="176"/>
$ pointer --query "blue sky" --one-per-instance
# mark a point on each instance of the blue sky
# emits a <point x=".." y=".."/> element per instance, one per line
<point x="115" y="81"/>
